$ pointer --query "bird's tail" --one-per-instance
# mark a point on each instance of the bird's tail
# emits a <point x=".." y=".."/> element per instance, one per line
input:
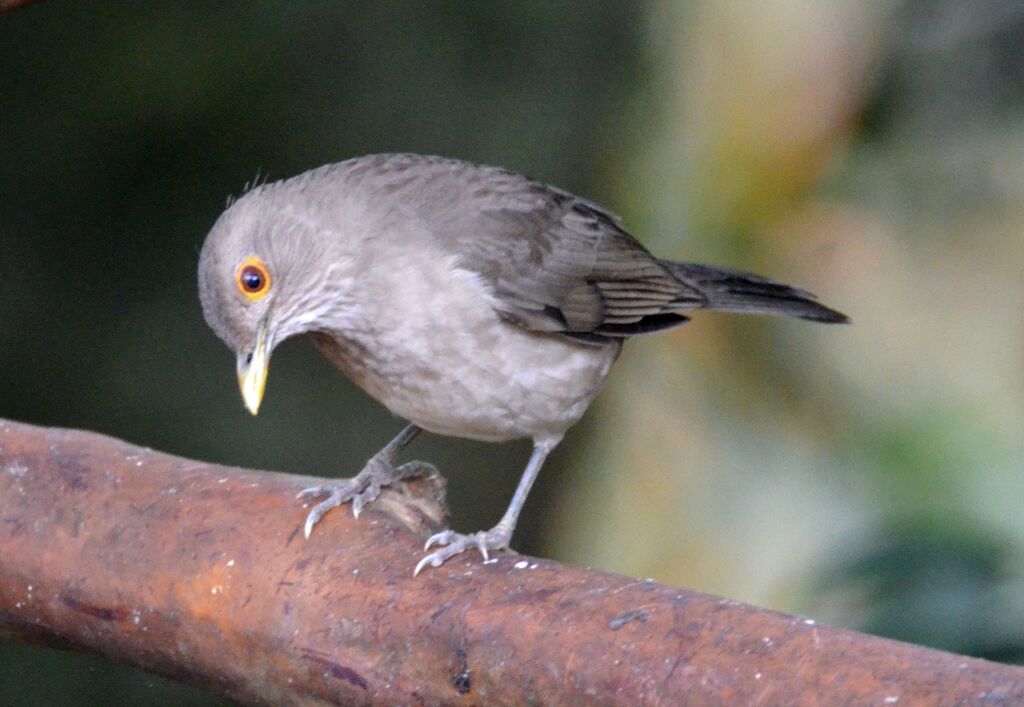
<point x="735" y="291"/>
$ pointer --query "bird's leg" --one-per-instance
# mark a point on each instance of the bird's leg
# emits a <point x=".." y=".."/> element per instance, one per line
<point x="379" y="472"/>
<point x="498" y="537"/>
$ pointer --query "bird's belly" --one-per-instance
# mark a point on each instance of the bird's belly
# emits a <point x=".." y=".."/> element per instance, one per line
<point x="487" y="380"/>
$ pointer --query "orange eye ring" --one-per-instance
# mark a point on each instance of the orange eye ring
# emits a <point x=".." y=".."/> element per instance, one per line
<point x="253" y="278"/>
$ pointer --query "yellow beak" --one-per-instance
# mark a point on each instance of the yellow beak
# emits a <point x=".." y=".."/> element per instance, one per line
<point x="252" y="370"/>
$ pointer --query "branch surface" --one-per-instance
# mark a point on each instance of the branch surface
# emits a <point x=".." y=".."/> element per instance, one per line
<point x="201" y="573"/>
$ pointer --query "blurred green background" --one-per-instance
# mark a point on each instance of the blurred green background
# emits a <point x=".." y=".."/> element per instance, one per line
<point x="870" y="476"/>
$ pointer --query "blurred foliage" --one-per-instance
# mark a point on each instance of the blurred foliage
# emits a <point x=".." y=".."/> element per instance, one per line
<point x="872" y="153"/>
<point x="935" y="581"/>
<point x="868" y="475"/>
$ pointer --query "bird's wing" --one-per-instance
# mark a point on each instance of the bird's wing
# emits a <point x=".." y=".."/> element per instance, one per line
<point x="558" y="263"/>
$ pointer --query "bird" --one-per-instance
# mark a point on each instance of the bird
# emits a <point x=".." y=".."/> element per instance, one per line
<point x="471" y="301"/>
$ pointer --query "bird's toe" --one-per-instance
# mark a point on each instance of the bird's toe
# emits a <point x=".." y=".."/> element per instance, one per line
<point x="362" y="489"/>
<point x="361" y="498"/>
<point x="338" y="494"/>
<point x="457" y="543"/>
<point x="442" y="538"/>
<point x="313" y="492"/>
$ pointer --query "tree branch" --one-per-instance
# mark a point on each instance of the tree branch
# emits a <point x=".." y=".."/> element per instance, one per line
<point x="201" y="573"/>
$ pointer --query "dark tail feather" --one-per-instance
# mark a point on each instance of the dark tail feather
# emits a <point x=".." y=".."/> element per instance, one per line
<point x="734" y="291"/>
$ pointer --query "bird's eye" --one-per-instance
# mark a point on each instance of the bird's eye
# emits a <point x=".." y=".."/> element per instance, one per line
<point x="253" y="278"/>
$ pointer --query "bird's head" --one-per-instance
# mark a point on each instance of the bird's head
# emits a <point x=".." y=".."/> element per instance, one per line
<point x="268" y="271"/>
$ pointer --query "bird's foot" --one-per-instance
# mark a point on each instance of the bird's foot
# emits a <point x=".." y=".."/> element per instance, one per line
<point x="361" y="489"/>
<point x="497" y="538"/>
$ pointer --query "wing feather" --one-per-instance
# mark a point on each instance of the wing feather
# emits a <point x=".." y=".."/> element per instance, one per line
<point x="559" y="263"/>
<point x="554" y="262"/>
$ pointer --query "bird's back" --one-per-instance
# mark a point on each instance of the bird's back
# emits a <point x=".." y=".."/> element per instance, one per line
<point x="555" y="262"/>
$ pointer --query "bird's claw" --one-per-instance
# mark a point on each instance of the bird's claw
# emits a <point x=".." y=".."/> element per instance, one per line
<point x="442" y="538"/>
<point x="456" y="543"/>
<point x="361" y="489"/>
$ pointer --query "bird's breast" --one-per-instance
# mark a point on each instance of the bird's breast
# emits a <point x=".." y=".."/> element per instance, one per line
<point x="433" y="350"/>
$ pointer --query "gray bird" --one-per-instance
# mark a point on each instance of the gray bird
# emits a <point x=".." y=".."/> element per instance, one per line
<point x="471" y="301"/>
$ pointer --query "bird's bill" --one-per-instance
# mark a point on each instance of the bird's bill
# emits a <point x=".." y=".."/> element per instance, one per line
<point x="252" y="370"/>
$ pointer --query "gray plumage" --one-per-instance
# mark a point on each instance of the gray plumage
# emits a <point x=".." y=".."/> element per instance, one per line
<point x="471" y="300"/>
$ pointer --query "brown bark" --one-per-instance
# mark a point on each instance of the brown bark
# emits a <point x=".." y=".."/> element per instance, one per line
<point x="201" y="573"/>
